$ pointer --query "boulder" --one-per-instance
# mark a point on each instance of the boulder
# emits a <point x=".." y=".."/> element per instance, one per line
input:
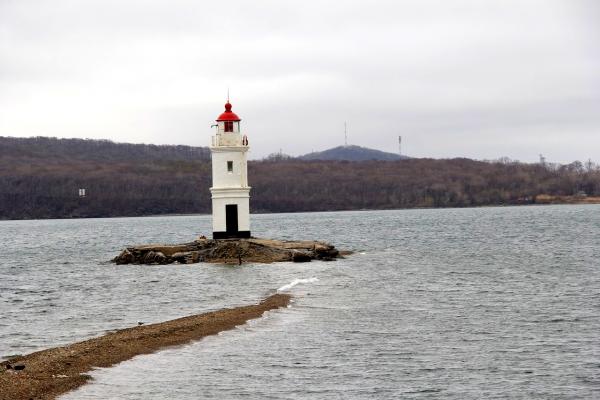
<point x="124" y="258"/>
<point x="299" y="256"/>
<point x="160" y="258"/>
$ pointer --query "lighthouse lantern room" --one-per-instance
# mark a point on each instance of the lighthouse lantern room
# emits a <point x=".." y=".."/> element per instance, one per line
<point x="230" y="191"/>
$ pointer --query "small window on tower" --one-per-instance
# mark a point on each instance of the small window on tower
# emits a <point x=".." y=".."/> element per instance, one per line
<point x="229" y="166"/>
<point x="228" y="126"/>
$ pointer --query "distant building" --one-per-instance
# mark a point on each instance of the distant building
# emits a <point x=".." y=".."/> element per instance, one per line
<point x="230" y="191"/>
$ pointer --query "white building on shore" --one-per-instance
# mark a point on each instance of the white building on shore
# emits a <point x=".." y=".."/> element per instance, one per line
<point x="230" y="191"/>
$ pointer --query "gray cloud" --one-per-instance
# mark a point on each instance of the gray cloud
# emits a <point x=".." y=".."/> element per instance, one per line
<point x="454" y="78"/>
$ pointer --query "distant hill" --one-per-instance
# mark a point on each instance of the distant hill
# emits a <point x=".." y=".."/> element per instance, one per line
<point x="352" y="153"/>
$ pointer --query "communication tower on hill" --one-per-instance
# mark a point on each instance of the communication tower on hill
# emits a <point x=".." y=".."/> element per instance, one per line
<point x="345" y="134"/>
<point x="400" y="145"/>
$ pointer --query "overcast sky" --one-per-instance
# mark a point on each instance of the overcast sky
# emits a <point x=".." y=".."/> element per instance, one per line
<point x="455" y="78"/>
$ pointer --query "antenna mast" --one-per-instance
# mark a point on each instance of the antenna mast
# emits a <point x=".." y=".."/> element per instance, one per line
<point x="345" y="135"/>
<point x="399" y="145"/>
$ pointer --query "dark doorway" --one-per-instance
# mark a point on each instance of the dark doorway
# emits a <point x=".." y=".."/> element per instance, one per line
<point x="231" y="218"/>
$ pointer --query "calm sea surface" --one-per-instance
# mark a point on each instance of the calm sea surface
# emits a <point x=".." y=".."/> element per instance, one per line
<point x="448" y="304"/>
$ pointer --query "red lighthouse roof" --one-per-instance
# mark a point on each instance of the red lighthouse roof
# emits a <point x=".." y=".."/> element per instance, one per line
<point x="228" y="115"/>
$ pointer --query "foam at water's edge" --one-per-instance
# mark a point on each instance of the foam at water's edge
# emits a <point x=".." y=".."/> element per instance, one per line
<point x="295" y="282"/>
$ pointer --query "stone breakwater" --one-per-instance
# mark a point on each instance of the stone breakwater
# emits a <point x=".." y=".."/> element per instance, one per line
<point x="48" y="373"/>
<point x="233" y="251"/>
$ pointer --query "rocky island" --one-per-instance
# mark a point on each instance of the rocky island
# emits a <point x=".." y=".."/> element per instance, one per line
<point x="230" y="251"/>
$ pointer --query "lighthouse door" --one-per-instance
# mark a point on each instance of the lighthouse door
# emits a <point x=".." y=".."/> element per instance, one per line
<point x="231" y="219"/>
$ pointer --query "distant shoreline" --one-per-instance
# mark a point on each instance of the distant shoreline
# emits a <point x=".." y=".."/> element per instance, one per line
<point x="545" y="200"/>
<point x="49" y="373"/>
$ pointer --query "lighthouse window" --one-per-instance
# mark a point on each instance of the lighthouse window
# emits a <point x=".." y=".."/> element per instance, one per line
<point x="228" y="126"/>
<point x="229" y="166"/>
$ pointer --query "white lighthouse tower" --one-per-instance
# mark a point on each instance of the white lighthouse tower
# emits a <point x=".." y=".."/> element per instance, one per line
<point x="230" y="191"/>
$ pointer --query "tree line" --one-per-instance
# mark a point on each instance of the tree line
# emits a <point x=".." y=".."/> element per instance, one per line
<point x="41" y="177"/>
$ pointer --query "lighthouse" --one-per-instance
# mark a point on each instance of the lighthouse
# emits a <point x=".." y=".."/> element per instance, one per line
<point x="230" y="191"/>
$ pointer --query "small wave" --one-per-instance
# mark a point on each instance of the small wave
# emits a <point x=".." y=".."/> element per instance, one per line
<point x="293" y="283"/>
<point x="425" y="391"/>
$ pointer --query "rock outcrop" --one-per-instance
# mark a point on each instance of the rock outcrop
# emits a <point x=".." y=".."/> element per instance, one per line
<point x="229" y="251"/>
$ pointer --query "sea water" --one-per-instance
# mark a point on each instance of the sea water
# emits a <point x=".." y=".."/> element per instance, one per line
<point x="444" y="303"/>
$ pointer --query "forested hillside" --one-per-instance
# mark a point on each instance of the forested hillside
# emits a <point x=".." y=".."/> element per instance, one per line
<point x="48" y="148"/>
<point x="40" y="178"/>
